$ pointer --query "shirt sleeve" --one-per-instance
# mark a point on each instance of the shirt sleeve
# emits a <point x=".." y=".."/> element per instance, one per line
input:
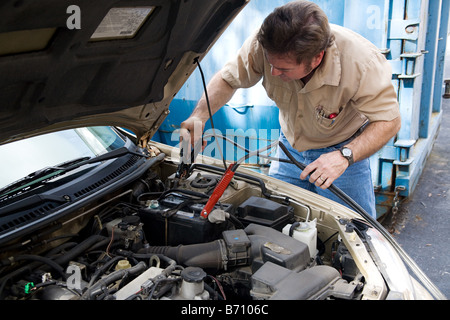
<point x="376" y="97"/>
<point x="246" y="69"/>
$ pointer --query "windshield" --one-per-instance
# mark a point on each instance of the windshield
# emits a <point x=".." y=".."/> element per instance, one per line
<point x="20" y="158"/>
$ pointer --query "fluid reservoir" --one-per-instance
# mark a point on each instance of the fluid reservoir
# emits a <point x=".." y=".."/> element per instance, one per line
<point x="192" y="287"/>
<point x="305" y="232"/>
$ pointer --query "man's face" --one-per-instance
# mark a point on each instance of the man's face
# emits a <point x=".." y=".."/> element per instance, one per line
<point x="287" y="69"/>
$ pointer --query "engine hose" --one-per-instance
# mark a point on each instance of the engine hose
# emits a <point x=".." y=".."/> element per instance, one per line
<point x="61" y="248"/>
<point x="167" y="271"/>
<point x="236" y="222"/>
<point x="103" y="269"/>
<point x="80" y="248"/>
<point x="104" y="282"/>
<point x="47" y="261"/>
<point x="210" y="255"/>
<point x="406" y="258"/>
<point x="292" y="228"/>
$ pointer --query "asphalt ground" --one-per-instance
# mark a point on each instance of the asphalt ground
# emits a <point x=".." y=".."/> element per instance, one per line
<point x="422" y="224"/>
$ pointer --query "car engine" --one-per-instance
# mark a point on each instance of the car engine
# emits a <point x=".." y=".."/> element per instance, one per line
<point x="147" y="241"/>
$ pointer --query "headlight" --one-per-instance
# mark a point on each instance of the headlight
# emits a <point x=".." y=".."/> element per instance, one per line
<point x="401" y="284"/>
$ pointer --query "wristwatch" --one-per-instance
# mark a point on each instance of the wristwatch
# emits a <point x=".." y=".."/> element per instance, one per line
<point x="347" y="154"/>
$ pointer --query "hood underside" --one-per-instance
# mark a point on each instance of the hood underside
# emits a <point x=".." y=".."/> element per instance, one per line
<point x="78" y="63"/>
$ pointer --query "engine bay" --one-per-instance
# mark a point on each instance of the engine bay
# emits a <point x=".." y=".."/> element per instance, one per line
<point x="148" y="241"/>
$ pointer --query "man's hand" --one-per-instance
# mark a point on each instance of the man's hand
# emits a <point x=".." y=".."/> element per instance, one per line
<point x="330" y="166"/>
<point x="219" y="92"/>
<point x="326" y="169"/>
<point x="191" y="131"/>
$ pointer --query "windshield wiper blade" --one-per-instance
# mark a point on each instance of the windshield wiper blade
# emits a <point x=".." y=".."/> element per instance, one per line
<point x="41" y="176"/>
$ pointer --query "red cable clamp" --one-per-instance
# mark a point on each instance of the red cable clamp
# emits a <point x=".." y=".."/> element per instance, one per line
<point x="218" y="192"/>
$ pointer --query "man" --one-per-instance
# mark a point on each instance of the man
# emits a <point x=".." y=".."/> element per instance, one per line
<point x="334" y="92"/>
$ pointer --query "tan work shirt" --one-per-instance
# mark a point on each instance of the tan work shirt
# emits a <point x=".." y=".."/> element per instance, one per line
<point x="352" y="84"/>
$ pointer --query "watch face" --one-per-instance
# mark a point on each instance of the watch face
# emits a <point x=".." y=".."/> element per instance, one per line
<point x="346" y="152"/>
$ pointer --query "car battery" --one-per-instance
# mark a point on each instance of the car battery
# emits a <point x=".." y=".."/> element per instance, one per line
<point x="176" y="220"/>
<point x="265" y="212"/>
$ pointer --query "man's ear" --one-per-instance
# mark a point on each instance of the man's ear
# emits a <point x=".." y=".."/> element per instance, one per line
<point x="317" y="59"/>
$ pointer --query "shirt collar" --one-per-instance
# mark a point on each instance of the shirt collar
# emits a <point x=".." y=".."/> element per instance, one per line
<point x="328" y="72"/>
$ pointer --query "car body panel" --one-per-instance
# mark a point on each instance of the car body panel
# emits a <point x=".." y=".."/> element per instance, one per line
<point x="70" y="77"/>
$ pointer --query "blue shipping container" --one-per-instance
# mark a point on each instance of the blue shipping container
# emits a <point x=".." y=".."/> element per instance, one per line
<point x="413" y="36"/>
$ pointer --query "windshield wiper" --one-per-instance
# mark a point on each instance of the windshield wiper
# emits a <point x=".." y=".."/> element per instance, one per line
<point x="39" y="177"/>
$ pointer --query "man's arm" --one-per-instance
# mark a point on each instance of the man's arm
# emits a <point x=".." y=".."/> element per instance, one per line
<point x="219" y="93"/>
<point x="332" y="165"/>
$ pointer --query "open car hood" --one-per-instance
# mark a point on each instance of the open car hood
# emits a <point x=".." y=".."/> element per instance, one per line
<point x="66" y="64"/>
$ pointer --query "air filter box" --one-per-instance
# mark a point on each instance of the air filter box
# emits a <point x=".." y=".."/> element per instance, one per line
<point x="265" y="212"/>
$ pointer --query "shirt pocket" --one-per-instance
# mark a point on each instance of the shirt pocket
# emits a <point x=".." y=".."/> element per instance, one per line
<point x="326" y="118"/>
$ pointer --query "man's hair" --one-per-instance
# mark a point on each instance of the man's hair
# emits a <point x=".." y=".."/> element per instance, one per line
<point x="298" y="28"/>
